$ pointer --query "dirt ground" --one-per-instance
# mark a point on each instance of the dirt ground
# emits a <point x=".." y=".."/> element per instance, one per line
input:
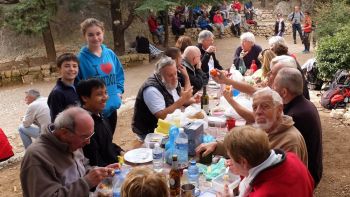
<point x="336" y="136"/>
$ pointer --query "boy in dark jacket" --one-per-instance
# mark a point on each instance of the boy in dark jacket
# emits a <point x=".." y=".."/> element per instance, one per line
<point x="101" y="151"/>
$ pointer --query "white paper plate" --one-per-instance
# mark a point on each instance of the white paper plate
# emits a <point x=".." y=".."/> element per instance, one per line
<point x="139" y="156"/>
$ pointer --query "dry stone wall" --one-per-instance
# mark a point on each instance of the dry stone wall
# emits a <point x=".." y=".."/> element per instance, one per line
<point x="29" y="70"/>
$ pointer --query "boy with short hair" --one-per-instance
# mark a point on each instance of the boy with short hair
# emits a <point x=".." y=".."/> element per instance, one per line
<point x="64" y="93"/>
<point x="101" y="151"/>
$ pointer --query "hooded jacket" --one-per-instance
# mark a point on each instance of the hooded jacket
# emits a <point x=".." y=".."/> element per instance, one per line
<point x="109" y="69"/>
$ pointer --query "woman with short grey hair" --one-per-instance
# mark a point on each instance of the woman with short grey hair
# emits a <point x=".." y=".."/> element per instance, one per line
<point x="247" y="52"/>
<point x="207" y="48"/>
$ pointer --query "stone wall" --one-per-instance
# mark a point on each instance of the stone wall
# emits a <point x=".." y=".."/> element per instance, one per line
<point x="29" y="70"/>
<point x="265" y="27"/>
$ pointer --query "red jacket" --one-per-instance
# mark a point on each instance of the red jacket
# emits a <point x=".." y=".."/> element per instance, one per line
<point x="237" y="6"/>
<point x="152" y="24"/>
<point x="289" y="178"/>
<point x="5" y="147"/>
<point x="218" y="19"/>
<point x="307" y="25"/>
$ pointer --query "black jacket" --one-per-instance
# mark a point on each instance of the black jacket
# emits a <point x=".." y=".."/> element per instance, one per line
<point x="307" y="121"/>
<point x="276" y="27"/>
<point x="205" y="57"/>
<point x="197" y="77"/>
<point x="101" y="151"/>
<point x="61" y="97"/>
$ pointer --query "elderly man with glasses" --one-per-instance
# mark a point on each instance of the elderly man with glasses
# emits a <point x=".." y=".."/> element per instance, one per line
<point x="54" y="165"/>
<point x="101" y="151"/>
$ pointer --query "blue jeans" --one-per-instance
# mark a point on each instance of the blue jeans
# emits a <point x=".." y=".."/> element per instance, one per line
<point x="297" y="27"/>
<point x="27" y="133"/>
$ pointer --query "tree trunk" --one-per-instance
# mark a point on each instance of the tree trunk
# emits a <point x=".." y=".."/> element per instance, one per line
<point x="117" y="27"/>
<point x="49" y="43"/>
<point x="166" y="28"/>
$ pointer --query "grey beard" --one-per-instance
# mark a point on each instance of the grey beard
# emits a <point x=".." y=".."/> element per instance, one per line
<point x="168" y="86"/>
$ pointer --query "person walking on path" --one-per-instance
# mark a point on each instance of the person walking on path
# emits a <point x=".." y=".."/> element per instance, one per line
<point x="306" y="32"/>
<point x="296" y="17"/>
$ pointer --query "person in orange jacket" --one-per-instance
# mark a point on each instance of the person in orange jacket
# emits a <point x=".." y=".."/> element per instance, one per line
<point x="306" y="32"/>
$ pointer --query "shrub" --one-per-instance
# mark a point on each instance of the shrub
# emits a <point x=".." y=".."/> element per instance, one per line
<point x="333" y="53"/>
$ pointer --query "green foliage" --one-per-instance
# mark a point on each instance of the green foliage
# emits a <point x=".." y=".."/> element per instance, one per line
<point x="331" y="17"/>
<point x="333" y="53"/>
<point x="76" y="5"/>
<point x="31" y="16"/>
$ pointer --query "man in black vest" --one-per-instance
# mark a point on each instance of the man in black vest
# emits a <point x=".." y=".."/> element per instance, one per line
<point x="159" y="96"/>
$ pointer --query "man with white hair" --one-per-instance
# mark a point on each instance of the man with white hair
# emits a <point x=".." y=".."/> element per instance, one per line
<point x="247" y="52"/>
<point x="208" y="58"/>
<point x="268" y="116"/>
<point x="288" y="83"/>
<point x="36" y="118"/>
<point x="192" y="62"/>
<point x="159" y="96"/>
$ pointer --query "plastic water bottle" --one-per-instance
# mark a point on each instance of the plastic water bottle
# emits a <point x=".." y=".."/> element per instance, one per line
<point x="193" y="175"/>
<point x="181" y="148"/>
<point x="157" y="158"/>
<point x="117" y="183"/>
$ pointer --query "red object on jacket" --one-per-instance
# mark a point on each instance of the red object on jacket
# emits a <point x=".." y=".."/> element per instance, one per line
<point x="5" y="147"/>
<point x="253" y="66"/>
<point x="152" y="24"/>
<point x="288" y="179"/>
<point x="236" y="5"/>
<point x="218" y="19"/>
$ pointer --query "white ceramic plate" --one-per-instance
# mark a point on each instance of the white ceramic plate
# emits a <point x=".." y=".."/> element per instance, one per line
<point x="139" y="156"/>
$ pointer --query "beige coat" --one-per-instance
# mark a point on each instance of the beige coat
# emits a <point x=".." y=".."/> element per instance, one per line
<point x="285" y="137"/>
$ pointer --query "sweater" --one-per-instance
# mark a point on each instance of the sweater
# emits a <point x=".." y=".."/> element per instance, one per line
<point x="304" y="111"/>
<point x="101" y="151"/>
<point x="61" y="97"/>
<point x="50" y="169"/>
<point x="109" y="69"/>
<point x="253" y="54"/>
<point x="285" y="137"/>
<point x="287" y="178"/>
<point x="37" y="113"/>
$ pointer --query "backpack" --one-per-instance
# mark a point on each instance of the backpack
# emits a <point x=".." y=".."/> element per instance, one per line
<point x="5" y="147"/>
<point x="142" y="45"/>
<point x="341" y="77"/>
<point x="327" y="96"/>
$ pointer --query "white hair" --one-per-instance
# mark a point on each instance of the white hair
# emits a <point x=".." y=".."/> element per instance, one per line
<point x="291" y="79"/>
<point x="204" y="35"/>
<point x="277" y="99"/>
<point x="284" y="60"/>
<point x="248" y="36"/>
<point x="276" y="40"/>
<point x="163" y="62"/>
<point x="188" y="53"/>
<point x="66" y="119"/>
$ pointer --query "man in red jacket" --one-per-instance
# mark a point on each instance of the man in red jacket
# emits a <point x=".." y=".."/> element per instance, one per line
<point x="153" y="28"/>
<point x="266" y="172"/>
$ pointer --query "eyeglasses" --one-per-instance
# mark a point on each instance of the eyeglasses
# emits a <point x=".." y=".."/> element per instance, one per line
<point x="82" y="137"/>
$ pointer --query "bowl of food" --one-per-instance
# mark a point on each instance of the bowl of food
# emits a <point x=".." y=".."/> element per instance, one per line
<point x="105" y="188"/>
<point x="229" y="179"/>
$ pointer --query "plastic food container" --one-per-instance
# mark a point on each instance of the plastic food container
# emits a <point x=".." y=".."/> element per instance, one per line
<point x="230" y="179"/>
<point x="151" y="139"/>
<point x="216" y="122"/>
<point x="104" y="189"/>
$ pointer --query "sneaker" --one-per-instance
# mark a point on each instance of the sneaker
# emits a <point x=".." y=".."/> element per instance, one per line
<point x="305" y="51"/>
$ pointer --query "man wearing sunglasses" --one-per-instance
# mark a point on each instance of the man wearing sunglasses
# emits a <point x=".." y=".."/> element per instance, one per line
<point x="54" y="165"/>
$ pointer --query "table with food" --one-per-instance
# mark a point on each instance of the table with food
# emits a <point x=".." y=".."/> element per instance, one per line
<point x="175" y="140"/>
